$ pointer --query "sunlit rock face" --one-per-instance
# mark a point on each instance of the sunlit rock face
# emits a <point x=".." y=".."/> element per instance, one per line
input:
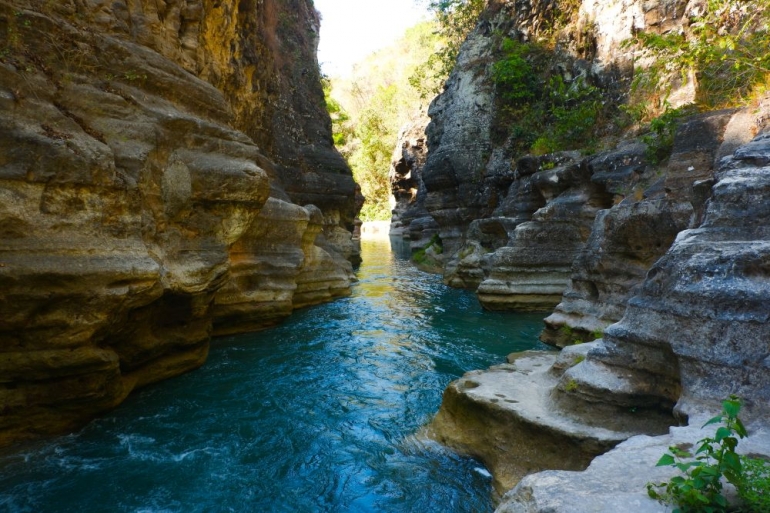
<point x="159" y="179"/>
<point x="510" y="418"/>
<point x="654" y="205"/>
<point x="472" y="171"/>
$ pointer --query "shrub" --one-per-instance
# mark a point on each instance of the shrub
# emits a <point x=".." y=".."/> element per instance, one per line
<point x="660" y="139"/>
<point x="513" y="74"/>
<point x="755" y="488"/>
<point x="545" y="112"/>
<point x="725" y="45"/>
<point x="699" y="489"/>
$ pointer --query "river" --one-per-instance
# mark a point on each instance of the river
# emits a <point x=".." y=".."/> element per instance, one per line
<point x="320" y="414"/>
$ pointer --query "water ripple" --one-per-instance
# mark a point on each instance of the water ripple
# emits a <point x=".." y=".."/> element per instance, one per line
<point x="321" y="414"/>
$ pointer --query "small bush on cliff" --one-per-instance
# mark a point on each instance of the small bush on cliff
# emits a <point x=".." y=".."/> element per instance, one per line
<point x="725" y="45"/>
<point x="454" y="21"/>
<point x="699" y="489"/>
<point x="542" y="111"/>
<point x="513" y="75"/>
<point x="660" y="139"/>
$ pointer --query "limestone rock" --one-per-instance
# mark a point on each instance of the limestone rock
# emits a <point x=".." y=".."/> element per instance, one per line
<point x="137" y="212"/>
<point x="509" y="417"/>
<point x="616" y="481"/>
<point x="405" y="176"/>
<point x="472" y="170"/>
<point x="532" y="270"/>
<point x="627" y="239"/>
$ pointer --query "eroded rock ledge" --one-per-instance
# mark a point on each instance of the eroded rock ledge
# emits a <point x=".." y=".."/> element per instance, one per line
<point x="661" y="263"/>
<point x="691" y="335"/>
<point x="166" y="172"/>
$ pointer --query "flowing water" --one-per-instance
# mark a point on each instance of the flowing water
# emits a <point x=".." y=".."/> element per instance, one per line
<point x="318" y="415"/>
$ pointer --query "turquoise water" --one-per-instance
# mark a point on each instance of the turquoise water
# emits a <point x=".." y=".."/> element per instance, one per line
<point x="317" y="415"/>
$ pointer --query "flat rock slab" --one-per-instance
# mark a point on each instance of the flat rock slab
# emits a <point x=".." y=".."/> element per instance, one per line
<point x="505" y="417"/>
<point x="616" y="481"/>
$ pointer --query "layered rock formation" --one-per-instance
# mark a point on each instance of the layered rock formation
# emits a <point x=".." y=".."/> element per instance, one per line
<point x="166" y="170"/>
<point x="405" y="176"/>
<point x="694" y="333"/>
<point x="651" y="253"/>
<point x="691" y="335"/>
<point x="654" y="205"/>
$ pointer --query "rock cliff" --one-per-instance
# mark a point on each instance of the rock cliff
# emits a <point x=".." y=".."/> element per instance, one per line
<point x="166" y="172"/>
<point x="654" y="254"/>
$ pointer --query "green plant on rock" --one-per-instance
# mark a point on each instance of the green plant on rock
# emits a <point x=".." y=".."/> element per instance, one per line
<point x="421" y="255"/>
<point x="513" y="75"/>
<point x="544" y="111"/>
<point x="725" y="45"/>
<point x="755" y="490"/>
<point x="699" y="488"/>
<point x="660" y="138"/>
<point x="454" y="20"/>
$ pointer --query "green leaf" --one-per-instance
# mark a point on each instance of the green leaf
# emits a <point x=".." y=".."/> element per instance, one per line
<point x="722" y="433"/>
<point x="665" y="461"/>
<point x="740" y="429"/>
<point x="732" y="461"/>
<point x="732" y="406"/>
<point x="714" y="420"/>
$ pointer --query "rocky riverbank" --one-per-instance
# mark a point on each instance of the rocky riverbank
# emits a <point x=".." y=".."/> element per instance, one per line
<point x="650" y="245"/>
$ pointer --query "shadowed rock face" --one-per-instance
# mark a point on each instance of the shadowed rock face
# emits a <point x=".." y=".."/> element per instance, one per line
<point x="406" y="177"/>
<point x="531" y="271"/>
<point x="692" y="334"/>
<point x="695" y="332"/>
<point x="705" y="301"/>
<point x="156" y="175"/>
<point x="473" y="170"/>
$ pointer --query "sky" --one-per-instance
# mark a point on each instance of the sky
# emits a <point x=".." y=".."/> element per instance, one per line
<point x="352" y="29"/>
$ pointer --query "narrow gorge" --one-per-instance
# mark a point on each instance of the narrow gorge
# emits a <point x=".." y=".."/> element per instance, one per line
<point x="588" y="195"/>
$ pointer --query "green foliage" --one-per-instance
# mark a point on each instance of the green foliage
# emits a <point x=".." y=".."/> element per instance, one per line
<point x="376" y="137"/>
<point x="755" y="488"/>
<point x="340" y="131"/>
<point x="571" y="386"/>
<point x="726" y="46"/>
<point x="369" y="107"/>
<point x="540" y="110"/>
<point x="660" y="139"/>
<point x="699" y="488"/>
<point x="513" y="75"/>
<point x="421" y="255"/>
<point x="436" y="243"/>
<point x="454" y="21"/>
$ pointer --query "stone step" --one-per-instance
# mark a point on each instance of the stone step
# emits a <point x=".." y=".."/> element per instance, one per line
<point x="506" y="416"/>
<point x="616" y="481"/>
<point x="617" y="398"/>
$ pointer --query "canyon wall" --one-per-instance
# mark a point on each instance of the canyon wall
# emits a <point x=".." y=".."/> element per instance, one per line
<point x="166" y="173"/>
<point x="653" y="252"/>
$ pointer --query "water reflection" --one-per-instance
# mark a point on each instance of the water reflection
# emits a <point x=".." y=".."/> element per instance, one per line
<point x="315" y="415"/>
